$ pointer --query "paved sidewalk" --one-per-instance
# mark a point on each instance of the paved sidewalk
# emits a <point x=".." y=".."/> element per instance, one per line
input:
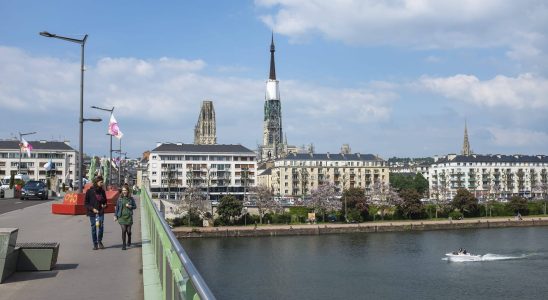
<point x="80" y="273"/>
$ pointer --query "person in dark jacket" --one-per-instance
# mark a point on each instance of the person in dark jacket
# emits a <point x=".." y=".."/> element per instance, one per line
<point x="123" y="214"/>
<point x="96" y="202"/>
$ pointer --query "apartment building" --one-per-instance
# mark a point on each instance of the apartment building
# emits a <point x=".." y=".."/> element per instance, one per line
<point x="495" y="176"/>
<point x="216" y="169"/>
<point x="61" y="154"/>
<point x="297" y="174"/>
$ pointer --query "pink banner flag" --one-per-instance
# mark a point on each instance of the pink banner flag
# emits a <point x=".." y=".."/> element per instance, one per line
<point x="25" y="146"/>
<point x="113" y="128"/>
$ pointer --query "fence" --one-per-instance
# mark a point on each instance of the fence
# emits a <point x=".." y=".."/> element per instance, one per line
<point x="179" y="279"/>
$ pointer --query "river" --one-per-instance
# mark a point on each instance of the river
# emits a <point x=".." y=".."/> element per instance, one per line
<point x="395" y="265"/>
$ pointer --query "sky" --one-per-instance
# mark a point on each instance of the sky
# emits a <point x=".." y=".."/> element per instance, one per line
<point x="392" y="78"/>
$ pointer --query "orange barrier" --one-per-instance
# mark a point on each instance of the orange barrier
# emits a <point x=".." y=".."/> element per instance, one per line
<point x="73" y="203"/>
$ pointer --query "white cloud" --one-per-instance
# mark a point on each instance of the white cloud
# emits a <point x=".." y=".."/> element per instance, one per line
<point x="159" y="99"/>
<point x="517" y="137"/>
<point x="518" y="25"/>
<point x="363" y="105"/>
<point x="524" y="91"/>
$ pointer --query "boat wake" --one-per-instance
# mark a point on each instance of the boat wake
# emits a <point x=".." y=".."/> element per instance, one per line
<point x="487" y="257"/>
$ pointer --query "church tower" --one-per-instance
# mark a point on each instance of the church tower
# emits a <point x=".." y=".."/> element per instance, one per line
<point x="466" y="144"/>
<point x="205" y="132"/>
<point x="273" y="144"/>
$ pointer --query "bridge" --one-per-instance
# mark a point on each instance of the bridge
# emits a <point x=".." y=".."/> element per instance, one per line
<point x="155" y="267"/>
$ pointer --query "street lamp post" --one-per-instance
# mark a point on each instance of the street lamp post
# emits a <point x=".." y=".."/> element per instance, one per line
<point x="110" y="151"/>
<point x="21" y="135"/>
<point x="82" y="42"/>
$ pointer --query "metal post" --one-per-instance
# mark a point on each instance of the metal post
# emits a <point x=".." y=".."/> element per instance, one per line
<point x="81" y="151"/>
<point x="82" y="42"/>
<point x="110" y="162"/>
<point x="120" y="166"/>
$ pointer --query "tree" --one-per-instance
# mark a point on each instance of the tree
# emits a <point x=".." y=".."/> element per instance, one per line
<point x="401" y="181"/>
<point x="264" y="200"/>
<point x="323" y="199"/>
<point x="194" y="202"/>
<point x="420" y="184"/>
<point x="415" y="182"/>
<point x="385" y="197"/>
<point x="466" y="203"/>
<point x="518" y="205"/>
<point x="439" y="193"/>
<point x="411" y="206"/>
<point x="356" y="200"/>
<point x="229" y="207"/>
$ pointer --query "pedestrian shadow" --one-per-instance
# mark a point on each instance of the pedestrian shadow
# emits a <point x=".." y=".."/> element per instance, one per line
<point x="119" y="246"/>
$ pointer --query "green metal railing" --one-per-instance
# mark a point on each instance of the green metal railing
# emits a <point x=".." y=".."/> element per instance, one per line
<point x="179" y="279"/>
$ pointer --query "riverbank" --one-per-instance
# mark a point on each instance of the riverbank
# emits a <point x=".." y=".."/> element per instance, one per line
<point x="369" y="227"/>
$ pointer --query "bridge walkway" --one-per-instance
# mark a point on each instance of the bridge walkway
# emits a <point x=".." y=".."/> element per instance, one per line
<point x="80" y="273"/>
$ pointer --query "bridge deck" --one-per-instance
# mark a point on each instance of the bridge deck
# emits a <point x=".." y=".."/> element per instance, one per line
<point x="80" y="273"/>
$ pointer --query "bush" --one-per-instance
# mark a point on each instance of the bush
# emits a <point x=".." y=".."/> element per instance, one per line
<point x="518" y="205"/>
<point x="281" y="218"/>
<point x="247" y="219"/>
<point x="354" y="216"/>
<point x="299" y="213"/>
<point x="456" y="215"/>
<point x="536" y="208"/>
<point x="498" y="210"/>
<point x="195" y="220"/>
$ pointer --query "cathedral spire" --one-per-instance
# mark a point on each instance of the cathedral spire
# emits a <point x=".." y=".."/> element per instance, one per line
<point x="466" y="144"/>
<point x="272" y="67"/>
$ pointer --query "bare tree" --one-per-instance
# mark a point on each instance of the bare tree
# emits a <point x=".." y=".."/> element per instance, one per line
<point x="264" y="200"/>
<point x="194" y="201"/>
<point x="323" y="199"/>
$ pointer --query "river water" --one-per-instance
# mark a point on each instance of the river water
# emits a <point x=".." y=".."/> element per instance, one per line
<point x="408" y="265"/>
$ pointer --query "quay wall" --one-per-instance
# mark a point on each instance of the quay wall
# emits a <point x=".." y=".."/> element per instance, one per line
<point x="313" y="229"/>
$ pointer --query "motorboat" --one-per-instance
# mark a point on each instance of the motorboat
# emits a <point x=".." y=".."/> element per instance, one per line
<point x="460" y="256"/>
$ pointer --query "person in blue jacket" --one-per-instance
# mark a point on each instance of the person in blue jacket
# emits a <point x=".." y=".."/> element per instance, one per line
<point x="123" y="214"/>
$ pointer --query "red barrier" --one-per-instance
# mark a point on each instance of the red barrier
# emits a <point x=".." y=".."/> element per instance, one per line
<point x="73" y="203"/>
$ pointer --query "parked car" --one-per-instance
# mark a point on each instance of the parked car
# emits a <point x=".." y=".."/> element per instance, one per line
<point x="36" y="189"/>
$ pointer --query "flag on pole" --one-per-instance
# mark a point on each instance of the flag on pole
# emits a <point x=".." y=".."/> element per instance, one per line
<point x="25" y="146"/>
<point x="49" y="165"/>
<point x="115" y="162"/>
<point x="113" y="128"/>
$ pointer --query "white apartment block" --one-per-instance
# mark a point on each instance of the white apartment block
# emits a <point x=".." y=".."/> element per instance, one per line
<point x="216" y="169"/>
<point x="63" y="156"/>
<point x="489" y="176"/>
<point x="297" y="174"/>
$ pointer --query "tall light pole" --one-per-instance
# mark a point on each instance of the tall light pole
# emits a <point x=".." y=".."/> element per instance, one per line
<point x="82" y="42"/>
<point x="21" y="135"/>
<point x="110" y="150"/>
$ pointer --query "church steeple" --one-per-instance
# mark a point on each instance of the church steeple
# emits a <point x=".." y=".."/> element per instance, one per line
<point x="272" y="67"/>
<point x="466" y="144"/>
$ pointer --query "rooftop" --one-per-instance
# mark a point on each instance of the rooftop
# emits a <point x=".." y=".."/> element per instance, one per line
<point x="493" y="158"/>
<point x="194" y="148"/>
<point x="333" y="157"/>
<point x="36" y="145"/>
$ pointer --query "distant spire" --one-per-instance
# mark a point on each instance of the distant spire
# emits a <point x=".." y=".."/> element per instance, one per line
<point x="466" y="144"/>
<point x="272" y="67"/>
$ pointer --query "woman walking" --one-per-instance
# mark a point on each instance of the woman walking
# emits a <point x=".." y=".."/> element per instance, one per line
<point x="124" y="215"/>
<point x="95" y="202"/>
